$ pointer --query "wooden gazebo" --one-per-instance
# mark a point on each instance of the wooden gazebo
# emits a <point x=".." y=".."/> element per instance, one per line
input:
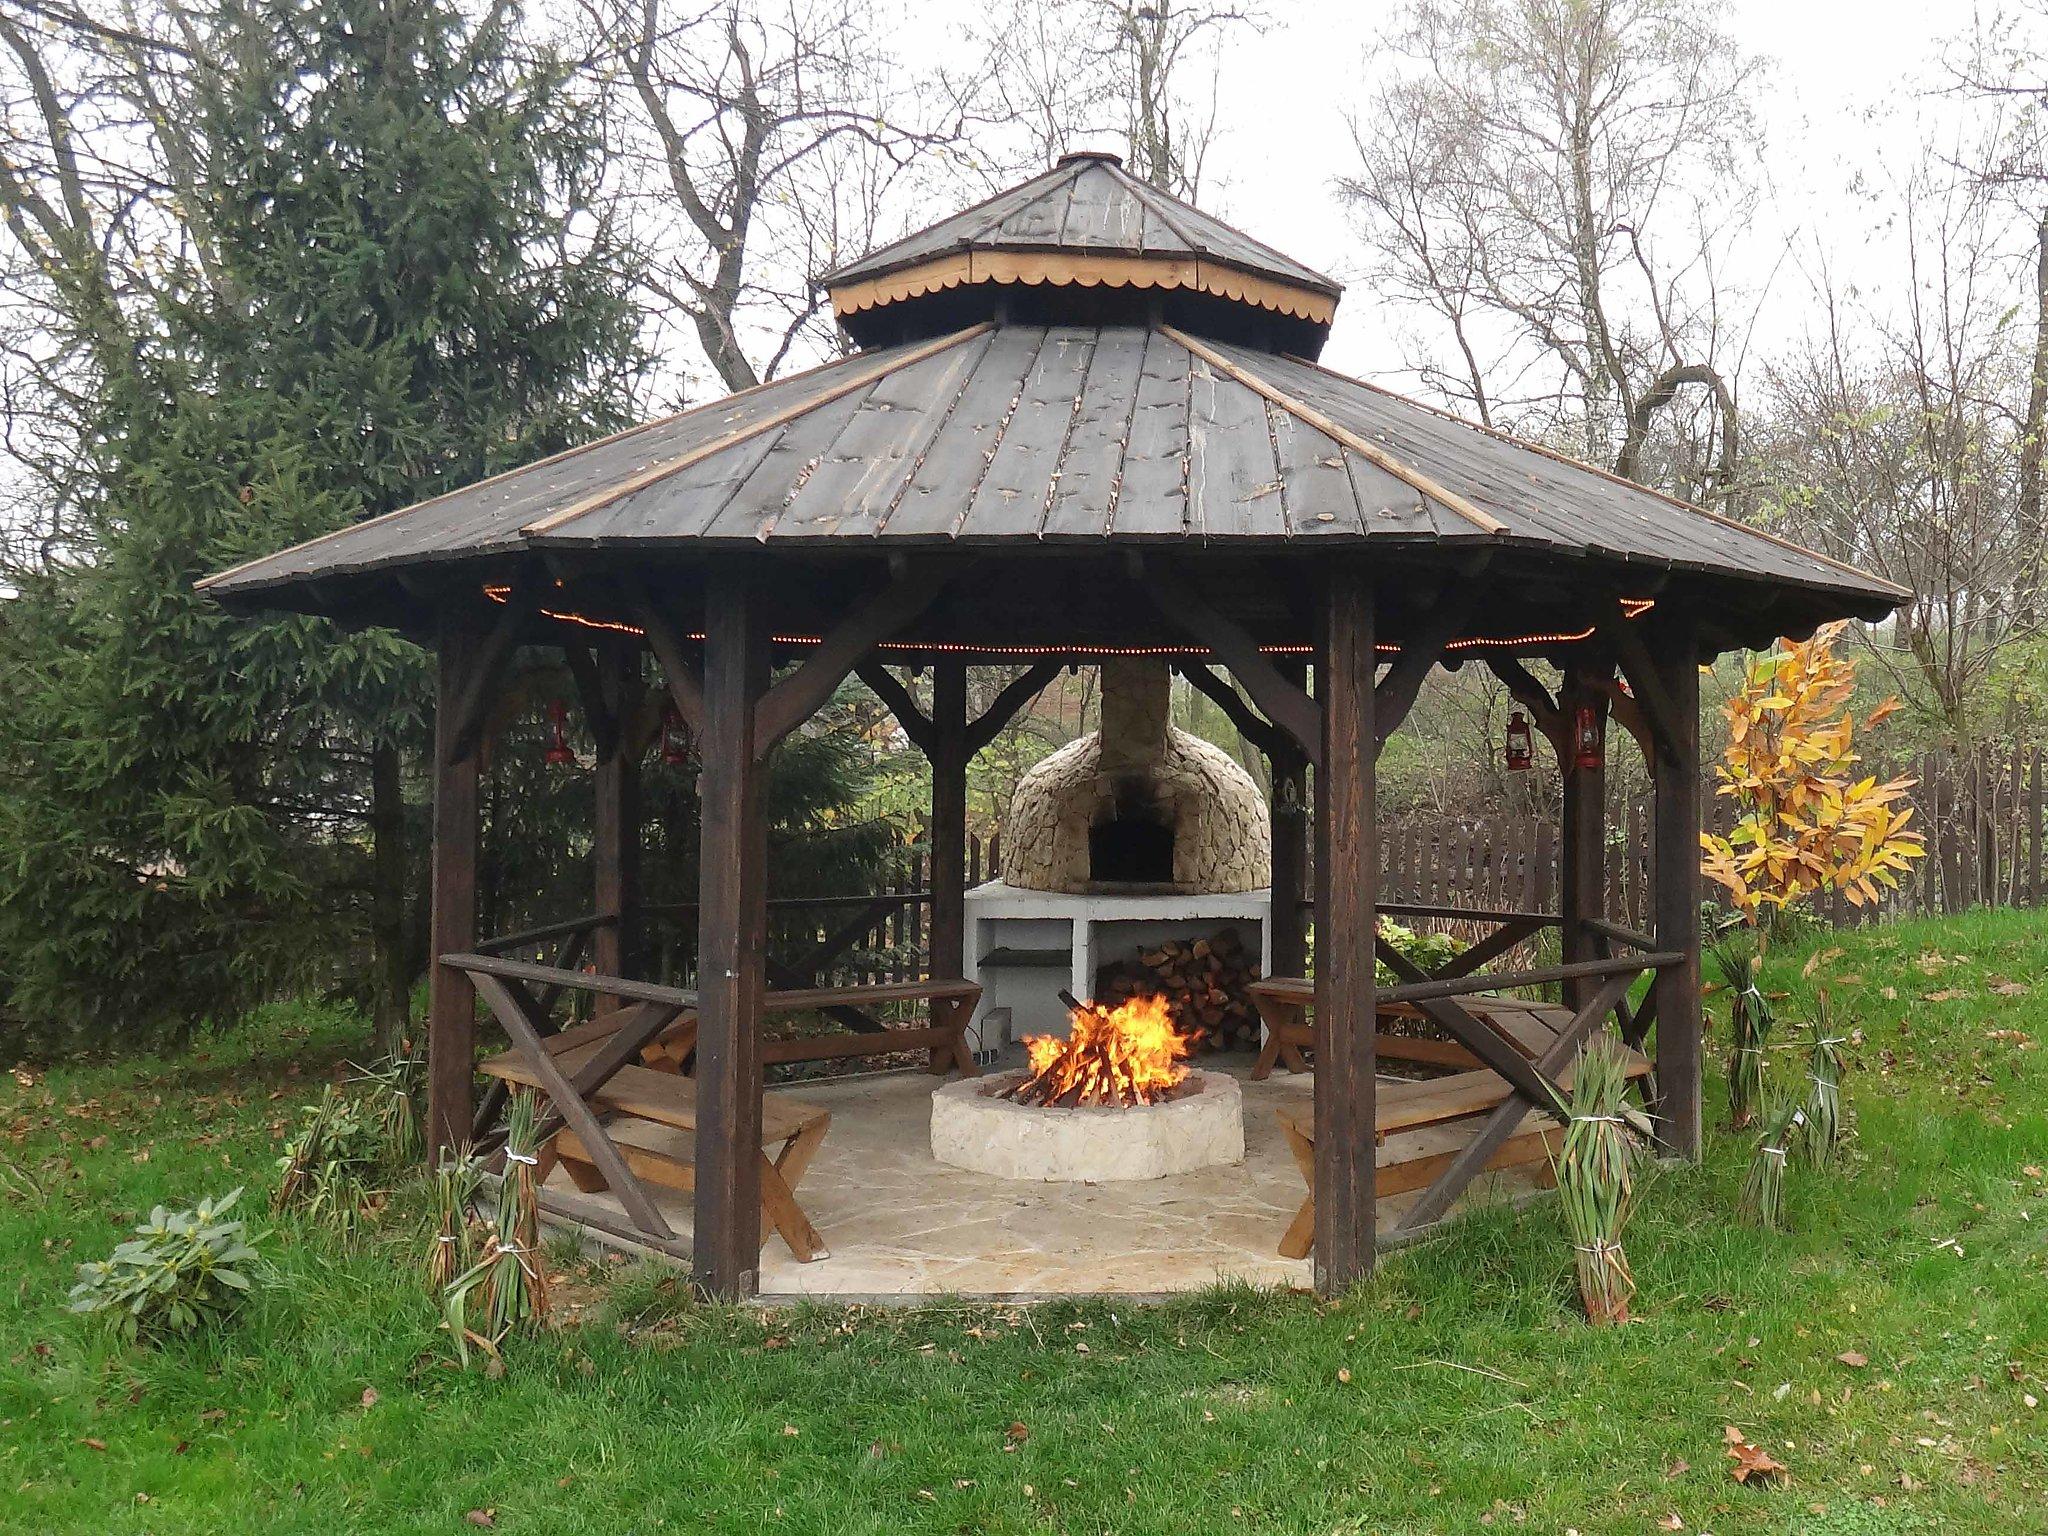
<point x="1082" y="419"/>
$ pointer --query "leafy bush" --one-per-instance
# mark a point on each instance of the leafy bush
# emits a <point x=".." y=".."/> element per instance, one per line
<point x="178" y="1273"/>
<point x="1426" y="950"/>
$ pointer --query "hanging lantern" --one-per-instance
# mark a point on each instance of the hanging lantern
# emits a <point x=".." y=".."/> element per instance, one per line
<point x="1588" y="747"/>
<point x="1521" y="755"/>
<point x="675" y="738"/>
<point x="559" y="754"/>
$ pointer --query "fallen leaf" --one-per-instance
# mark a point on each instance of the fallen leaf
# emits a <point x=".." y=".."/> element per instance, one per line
<point x="1671" y="1522"/>
<point x="1854" y="1359"/>
<point x="1017" y="1433"/>
<point x="1945" y="995"/>
<point x="369" y="1397"/>
<point x="1751" y="1461"/>
<point x="483" y="1517"/>
<point x="2009" y="988"/>
<point x="1344" y="1374"/>
<point x="93" y="1443"/>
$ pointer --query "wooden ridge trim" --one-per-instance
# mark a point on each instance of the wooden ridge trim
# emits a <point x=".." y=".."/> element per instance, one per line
<point x="1372" y="452"/>
<point x="1071" y="268"/>
<point x="856" y="378"/>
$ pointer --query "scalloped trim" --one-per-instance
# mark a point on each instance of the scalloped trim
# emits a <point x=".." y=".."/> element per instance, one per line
<point x="1064" y="269"/>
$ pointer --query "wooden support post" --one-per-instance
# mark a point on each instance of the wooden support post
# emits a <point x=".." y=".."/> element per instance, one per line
<point x="1676" y="866"/>
<point x="949" y="756"/>
<point x="451" y="998"/>
<point x="1347" y="889"/>
<point x="732" y="917"/>
<point x="1288" y="816"/>
<point x="615" y="850"/>
<point x="1582" y="847"/>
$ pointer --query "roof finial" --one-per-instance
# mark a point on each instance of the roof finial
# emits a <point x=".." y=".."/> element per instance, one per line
<point x="1076" y="156"/>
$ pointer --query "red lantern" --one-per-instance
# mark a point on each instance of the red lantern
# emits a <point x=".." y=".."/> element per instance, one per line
<point x="675" y="738"/>
<point x="1588" y="745"/>
<point x="559" y="753"/>
<point x="1520" y="750"/>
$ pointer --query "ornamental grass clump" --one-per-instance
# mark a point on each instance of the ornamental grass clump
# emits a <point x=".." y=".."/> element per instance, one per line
<point x="181" y="1272"/>
<point x="1596" y="1182"/>
<point x="506" y="1289"/>
<point x="1821" y="1139"/>
<point x="1763" y="1187"/>
<point x="1750" y="1022"/>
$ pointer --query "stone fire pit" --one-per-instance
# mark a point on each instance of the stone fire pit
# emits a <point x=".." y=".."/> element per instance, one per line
<point x="1201" y="1126"/>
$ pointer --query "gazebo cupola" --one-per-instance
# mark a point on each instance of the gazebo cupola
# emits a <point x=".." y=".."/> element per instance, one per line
<point x="1086" y="243"/>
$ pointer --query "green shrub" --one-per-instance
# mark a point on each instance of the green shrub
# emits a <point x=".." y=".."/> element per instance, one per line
<point x="181" y="1271"/>
<point x="1425" y="950"/>
<point x="328" y="1169"/>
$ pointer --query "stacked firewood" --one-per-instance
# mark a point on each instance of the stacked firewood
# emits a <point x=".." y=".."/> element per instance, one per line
<point x="1204" y="981"/>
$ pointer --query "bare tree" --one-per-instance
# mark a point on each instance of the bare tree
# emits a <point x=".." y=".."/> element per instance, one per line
<point x="1898" y="438"/>
<point x="1551" y="180"/>
<point x="758" y="145"/>
<point x="1057" y="75"/>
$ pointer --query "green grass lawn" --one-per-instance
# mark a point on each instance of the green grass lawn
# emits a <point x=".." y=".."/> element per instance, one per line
<point x="1457" y="1392"/>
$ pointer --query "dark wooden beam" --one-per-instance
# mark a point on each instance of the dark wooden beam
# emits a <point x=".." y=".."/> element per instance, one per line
<point x="1582" y="844"/>
<point x="1281" y="701"/>
<point x="799" y="695"/>
<point x="599" y="712"/>
<point x="1251" y="725"/>
<point x="684" y="681"/>
<point x="950" y="754"/>
<point x="1005" y="706"/>
<point x="732" y="918"/>
<point x="451" y="998"/>
<point x="1287" y="825"/>
<point x="614" y="688"/>
<point x="1347" y="881"/>
<point x="883" y="684"/>
<point x="1626" y="711"/>
<point x="1675" y="861"/>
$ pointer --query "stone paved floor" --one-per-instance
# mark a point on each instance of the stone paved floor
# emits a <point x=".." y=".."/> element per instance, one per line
<point x="899" y="1223"/>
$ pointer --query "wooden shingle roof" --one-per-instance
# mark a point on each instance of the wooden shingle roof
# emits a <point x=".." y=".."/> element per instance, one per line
<point x="1006" y="434"/>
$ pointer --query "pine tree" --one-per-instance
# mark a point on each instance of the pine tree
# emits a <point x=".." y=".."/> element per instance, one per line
<point x="392" y="304"/>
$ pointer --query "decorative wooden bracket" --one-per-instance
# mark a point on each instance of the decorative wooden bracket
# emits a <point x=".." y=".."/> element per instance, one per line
<point x="917" y="725"/>
<point x="474" y="709"/>
<point x="602" y="712"/>
<point x="1628" y="713"/>
<point x="1284" y="703"/>
<point x="1251" y="725"/>
<point x="684" y="678"/>
<point x="1395" y="693"/>
<point x="1005" y="706"/>
<point x="799" y="695"/>
<point x="1640" y="669"/>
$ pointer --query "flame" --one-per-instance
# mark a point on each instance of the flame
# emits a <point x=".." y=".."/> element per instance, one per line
<point x="1129" y="1054"/>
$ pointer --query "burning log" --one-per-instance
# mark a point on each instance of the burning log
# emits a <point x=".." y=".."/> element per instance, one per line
<point x="1121" y="1055"/>
<point x="1206" y="983"/>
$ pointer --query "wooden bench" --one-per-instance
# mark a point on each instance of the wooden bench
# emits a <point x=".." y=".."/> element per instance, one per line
<point x="1283" y="1003"/>
<point x="653" y="1125"/>
<point x="952" y="1004"/>
<point x="1420" y="1128"/>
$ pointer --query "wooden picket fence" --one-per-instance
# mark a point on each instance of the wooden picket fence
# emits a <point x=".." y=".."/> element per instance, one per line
<point x="1980" y="812"/>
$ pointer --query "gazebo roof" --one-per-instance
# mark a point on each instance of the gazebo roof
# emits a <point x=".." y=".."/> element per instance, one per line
<point x="1086" y="222"/>
<point x="1109" y="419"/>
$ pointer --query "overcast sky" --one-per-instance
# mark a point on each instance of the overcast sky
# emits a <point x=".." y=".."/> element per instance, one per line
<point x="1846" y="94"/>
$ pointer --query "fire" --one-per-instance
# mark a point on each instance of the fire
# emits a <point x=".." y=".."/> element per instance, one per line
<point x="1129" y="1054"/>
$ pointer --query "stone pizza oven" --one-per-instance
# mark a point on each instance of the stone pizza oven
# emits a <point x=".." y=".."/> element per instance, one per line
<point x="1139" y="805"/>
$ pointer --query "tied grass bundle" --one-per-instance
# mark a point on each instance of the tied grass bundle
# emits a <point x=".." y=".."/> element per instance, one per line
<point x="1596" y="1182"/>
<point x="1823" y="1131"/>
<point x="507" y="1278"/>
<point x="1763" y="1187"/>
<point x="392" y="1088"/>
<point x="1750" y="1020"/>
<point x="454" y="1186"/>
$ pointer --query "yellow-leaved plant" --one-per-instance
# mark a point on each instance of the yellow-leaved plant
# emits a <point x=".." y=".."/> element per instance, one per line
<point x="1807" y="822"/>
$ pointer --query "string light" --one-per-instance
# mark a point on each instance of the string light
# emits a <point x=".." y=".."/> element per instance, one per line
<point x="1631" y="608"/>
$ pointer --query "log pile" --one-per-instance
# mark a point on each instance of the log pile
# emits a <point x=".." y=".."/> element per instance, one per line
<point x="1204" y="981"/>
